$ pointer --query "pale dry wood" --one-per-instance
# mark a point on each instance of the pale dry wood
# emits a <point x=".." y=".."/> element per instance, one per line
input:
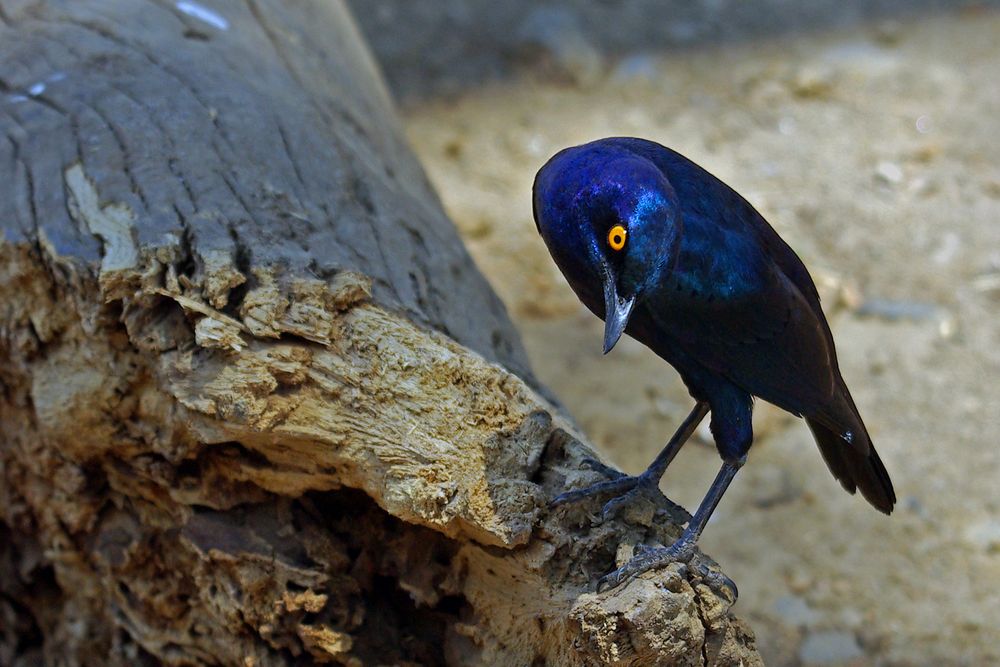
<point x="258" y="405"/>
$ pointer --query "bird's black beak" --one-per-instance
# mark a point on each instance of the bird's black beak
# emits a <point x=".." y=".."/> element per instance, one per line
<point x="616" y="311"/>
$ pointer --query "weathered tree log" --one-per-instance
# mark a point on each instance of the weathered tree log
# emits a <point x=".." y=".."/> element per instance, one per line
<point x="257" y="405"/>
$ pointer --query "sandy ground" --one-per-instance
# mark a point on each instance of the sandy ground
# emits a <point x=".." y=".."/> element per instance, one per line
<point x="874" y="152"/>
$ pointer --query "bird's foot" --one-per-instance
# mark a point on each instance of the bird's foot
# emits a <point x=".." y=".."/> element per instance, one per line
<point x="646" y="559"/>
<point x="624" y="488"/>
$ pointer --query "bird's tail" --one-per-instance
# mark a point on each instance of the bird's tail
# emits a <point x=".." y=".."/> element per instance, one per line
<point x="848" y="451"/>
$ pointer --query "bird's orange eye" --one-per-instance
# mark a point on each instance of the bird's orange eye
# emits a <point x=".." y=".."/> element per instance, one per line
<point x="616" y="237"/>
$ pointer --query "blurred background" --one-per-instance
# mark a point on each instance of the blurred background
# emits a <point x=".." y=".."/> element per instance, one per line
<point x="867" y="134"/>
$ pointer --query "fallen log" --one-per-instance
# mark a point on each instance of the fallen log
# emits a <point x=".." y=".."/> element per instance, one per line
<point x="258" y="406"/>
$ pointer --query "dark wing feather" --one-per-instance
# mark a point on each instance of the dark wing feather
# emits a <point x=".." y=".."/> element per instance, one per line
<point x="856" y="465"/>
<point x="767" y="341"/>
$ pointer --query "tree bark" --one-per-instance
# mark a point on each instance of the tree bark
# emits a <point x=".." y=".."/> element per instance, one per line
<point x="258" y="406"/>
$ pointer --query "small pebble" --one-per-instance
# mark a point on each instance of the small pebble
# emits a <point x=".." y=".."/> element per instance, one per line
<point x="984" y="535"/>
<point x="638" y="66"/>
<point x="799" y="581"/>
<point x="813" y="81"/>
<point x="794" y="610"/>
<point x="946" y="251"/>
<point x="891" y="309"/>
<point x="913" y="505"/>
<point x="988" y="282"/>
<point x="889" y="172"/>
<point x="915" y="311"/>
<point x="888" y="33"/>
<point x="827" y="647"/>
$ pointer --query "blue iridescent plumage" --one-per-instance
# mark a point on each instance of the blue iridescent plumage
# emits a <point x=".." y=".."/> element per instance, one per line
<point x="709" y="286"/>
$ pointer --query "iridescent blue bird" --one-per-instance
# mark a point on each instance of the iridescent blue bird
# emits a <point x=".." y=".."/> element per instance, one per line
<point x="662" y="250"/>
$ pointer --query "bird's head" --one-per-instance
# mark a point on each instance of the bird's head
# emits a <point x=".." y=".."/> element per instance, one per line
<point x="611" y="221"/>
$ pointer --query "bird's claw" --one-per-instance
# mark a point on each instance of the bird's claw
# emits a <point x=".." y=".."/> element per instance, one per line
<point x="625" y="489"/>
<point x="715" y="579"/>
<point x="647" y="558"/>
<point x="641" y="486"/>
<point x="609" y="486"/>
<point x="603" y="468"/>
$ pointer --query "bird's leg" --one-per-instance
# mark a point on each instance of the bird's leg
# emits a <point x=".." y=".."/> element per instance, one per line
<point x="626" y="488"/>
<point x="683" y="548"/>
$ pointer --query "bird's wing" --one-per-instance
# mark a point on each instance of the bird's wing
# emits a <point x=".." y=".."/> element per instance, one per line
<point x="769" y="341"/>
